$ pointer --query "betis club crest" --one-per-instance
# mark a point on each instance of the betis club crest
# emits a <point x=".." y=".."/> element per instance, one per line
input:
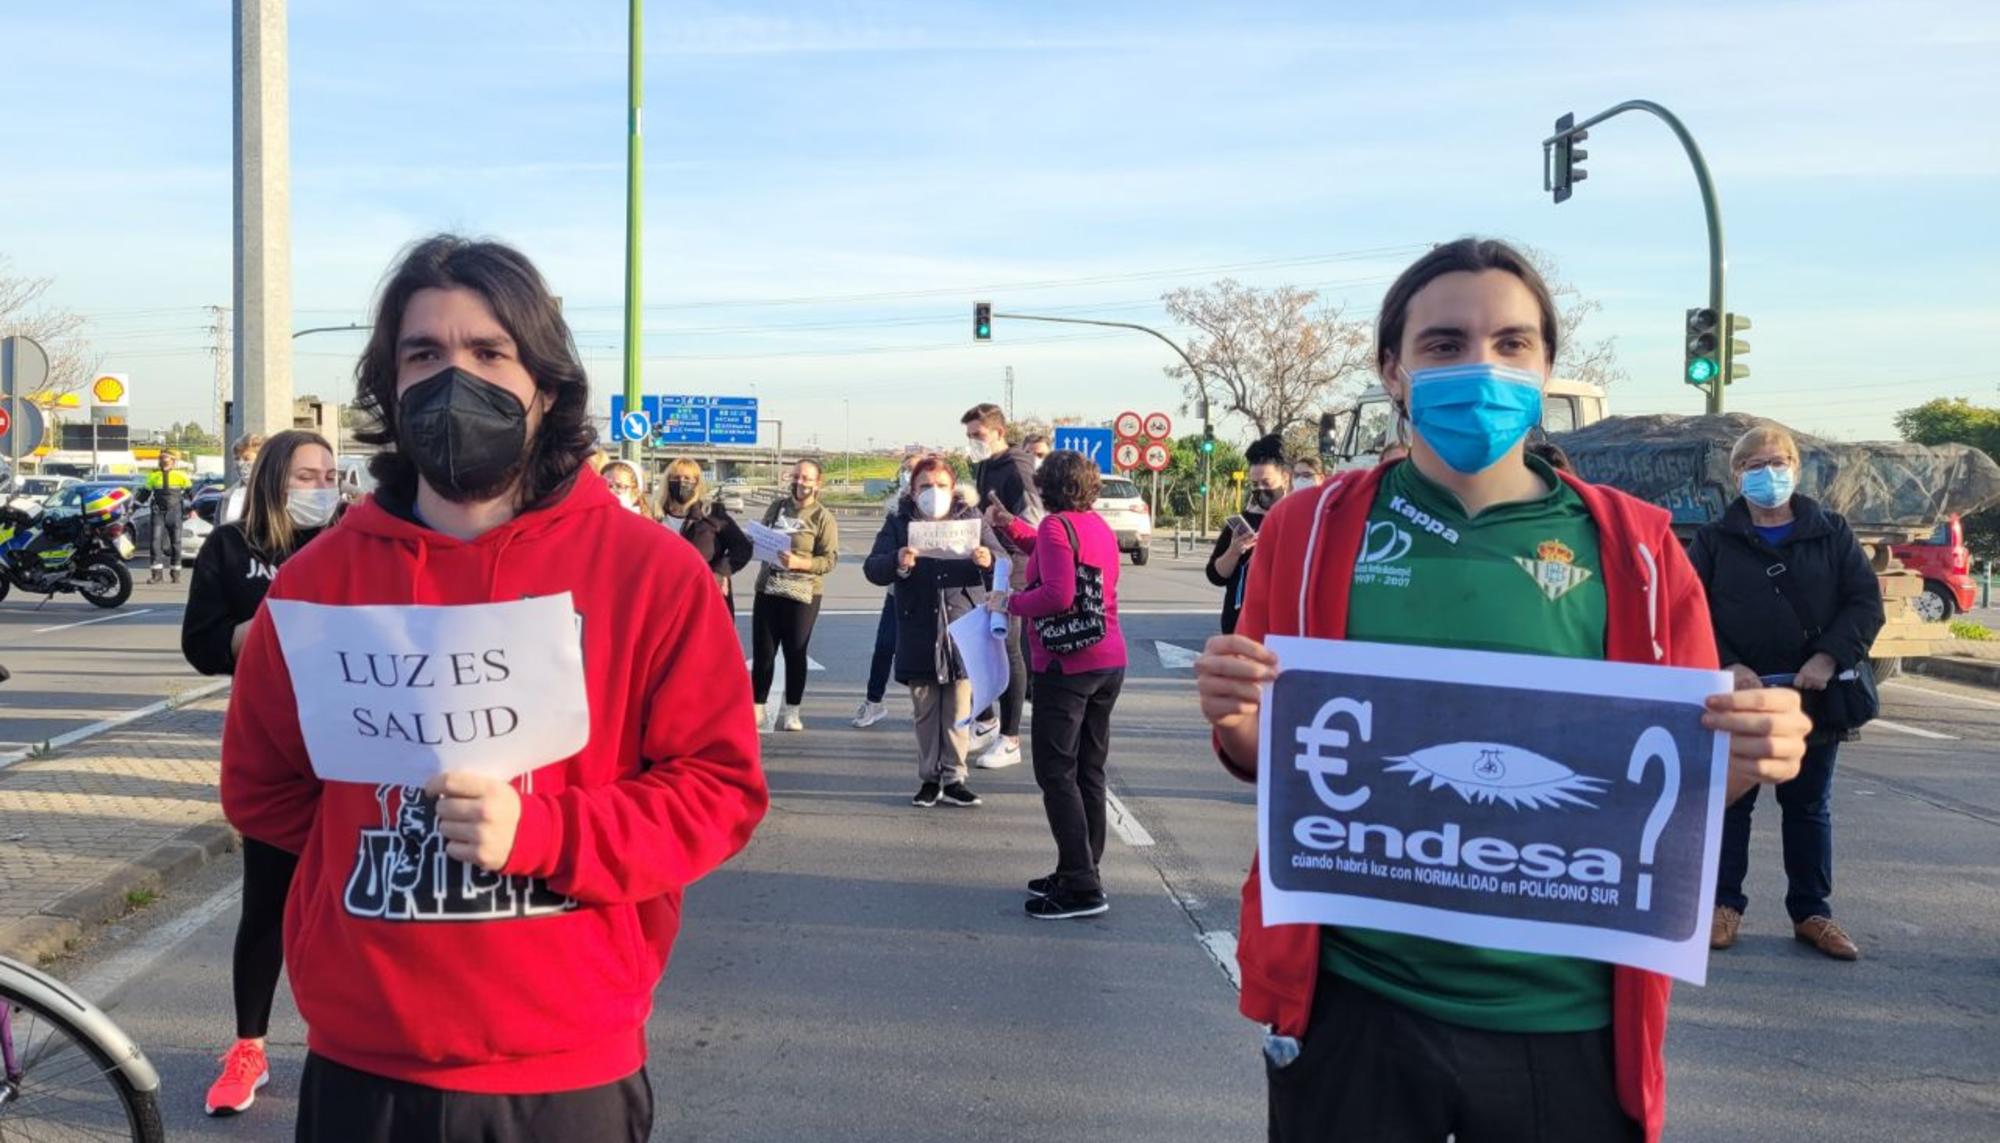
<point x="1553" y="569"/>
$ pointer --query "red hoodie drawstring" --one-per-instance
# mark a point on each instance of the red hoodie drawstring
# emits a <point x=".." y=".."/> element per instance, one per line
<point x="417" y="571"/>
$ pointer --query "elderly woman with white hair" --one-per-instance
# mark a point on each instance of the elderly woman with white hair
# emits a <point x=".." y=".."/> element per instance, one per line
<point x="1794" y="603"/>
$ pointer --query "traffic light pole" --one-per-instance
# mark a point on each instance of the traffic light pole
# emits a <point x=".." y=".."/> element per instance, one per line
<point x="1709" y="206"/>
<point x="1201" y="383"/>
<point x="634" y="88"/>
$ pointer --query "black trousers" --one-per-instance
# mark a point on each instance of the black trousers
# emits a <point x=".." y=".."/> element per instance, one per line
<point x="1016" y="695"/>
<point x="1372" y="1069"/>
<point x="166" y="534"/>
<point x="1071" y="739"/>
<point x="260" y="935"/>
<point x="340" y="1105"/>
<point x="775" y="623"/>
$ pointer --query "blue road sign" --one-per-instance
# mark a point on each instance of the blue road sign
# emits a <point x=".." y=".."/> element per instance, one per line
<point x="637" y="425"/>
<point x="732" y="420"/>
<point x="1093" y="443"/>
<point x="621" y="420"/>
<point x="681" y="420"/>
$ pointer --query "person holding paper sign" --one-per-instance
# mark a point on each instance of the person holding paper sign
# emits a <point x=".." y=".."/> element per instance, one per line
<point x="289" y="498"/>
<point x="788" y="593"/>
<point x="930" y="592"/>
<point x="1468" y="543"/>
<point x="1004" y="479"/>
<point x="475" y="953"/>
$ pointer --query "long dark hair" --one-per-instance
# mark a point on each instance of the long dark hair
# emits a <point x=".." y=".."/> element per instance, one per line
<point x="267" y="526"/>
<point x="521" y="300"/>
<point x="1466" y="255"/>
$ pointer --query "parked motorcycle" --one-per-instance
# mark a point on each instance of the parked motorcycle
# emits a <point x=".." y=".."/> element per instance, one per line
<point x="84" y="553"/>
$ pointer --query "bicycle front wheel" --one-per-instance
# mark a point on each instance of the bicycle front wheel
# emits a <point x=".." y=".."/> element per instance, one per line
<point x="60" y="1085"/>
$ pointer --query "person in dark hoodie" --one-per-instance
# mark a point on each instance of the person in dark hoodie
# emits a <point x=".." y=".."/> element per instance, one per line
<point x="1792" y="598"/>
<point x="685" y="508"/>
<point x="290" y="496"/>
<point x="475" y="957"/>
<point x="1004" y="477"/>
<point x="1382" y="1035"/>
<point x="1229" y="564"/>
<point x="930" y="592"/>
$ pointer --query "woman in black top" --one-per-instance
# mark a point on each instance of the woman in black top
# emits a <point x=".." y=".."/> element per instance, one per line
<point x="1229" y="565"/>
<point x="1794" y="601"/>
<point x="293" y="496"/>
<point x="703" y="523"/>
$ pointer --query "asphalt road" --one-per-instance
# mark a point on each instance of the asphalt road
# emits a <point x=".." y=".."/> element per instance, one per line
<point x="863" y="971"/>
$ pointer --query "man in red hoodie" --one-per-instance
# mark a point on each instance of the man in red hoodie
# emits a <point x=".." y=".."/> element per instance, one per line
<point x="475" y="958"/>
<point x="1378" y="1035"/>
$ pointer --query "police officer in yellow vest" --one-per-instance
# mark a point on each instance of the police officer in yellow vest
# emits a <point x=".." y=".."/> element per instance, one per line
<point x="166" y="489"/>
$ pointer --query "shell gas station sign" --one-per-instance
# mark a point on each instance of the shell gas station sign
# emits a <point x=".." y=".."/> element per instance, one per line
<point x="110" y="388"/>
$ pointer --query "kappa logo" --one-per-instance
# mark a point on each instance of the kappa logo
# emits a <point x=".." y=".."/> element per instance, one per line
<point x="401" y="872"/>
<point x="1554" y="569"/>
<point x="1496" y="772"/>
<point x="1423" y="520"/>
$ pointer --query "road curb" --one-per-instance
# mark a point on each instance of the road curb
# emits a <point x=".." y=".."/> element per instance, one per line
<point x="61" y="924"/>
<point x="1977" y="672"/>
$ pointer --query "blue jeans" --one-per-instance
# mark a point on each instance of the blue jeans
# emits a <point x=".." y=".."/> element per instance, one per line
<point x="885" y="650"/>
<point x="1806" y="803"/>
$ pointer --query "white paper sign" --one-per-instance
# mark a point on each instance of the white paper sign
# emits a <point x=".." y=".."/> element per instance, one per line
<point x="397" y="694"/>
<point x="945" y="539"/>
<point x="1559" y="806"/>
<point x="770" y="544"/>
<point x="983" y="651"/>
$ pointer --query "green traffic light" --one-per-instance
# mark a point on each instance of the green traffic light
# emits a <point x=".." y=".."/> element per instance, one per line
<point x="1701" y="370"/>
<point x="986" y="331"/>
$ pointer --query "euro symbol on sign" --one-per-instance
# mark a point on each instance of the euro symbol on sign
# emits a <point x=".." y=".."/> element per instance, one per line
<point x="1321" y="735"/>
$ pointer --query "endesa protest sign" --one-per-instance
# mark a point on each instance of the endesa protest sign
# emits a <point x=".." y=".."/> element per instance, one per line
<point x="396" y="694"/>
<point x="1542" y="805"/>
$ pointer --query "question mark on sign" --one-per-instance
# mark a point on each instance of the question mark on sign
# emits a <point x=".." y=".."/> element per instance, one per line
<point x="1655" y="743"/>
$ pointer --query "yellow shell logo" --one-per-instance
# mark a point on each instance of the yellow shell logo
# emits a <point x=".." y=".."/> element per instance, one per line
<point x="108" y="390"/>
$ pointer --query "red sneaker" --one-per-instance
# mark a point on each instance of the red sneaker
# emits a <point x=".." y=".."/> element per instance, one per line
<point x="244" y="1070"/>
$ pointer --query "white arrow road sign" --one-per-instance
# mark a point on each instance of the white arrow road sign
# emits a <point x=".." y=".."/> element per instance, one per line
<point x="1174" y="657"/>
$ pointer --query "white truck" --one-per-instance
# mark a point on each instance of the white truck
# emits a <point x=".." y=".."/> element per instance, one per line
<point x="1354" y="434"/>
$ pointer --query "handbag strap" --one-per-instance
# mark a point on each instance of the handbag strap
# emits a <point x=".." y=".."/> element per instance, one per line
<point x="1780" y="575"/>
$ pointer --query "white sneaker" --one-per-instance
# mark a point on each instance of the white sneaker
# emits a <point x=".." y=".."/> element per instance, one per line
<point x="868" y="714"/>
<point x="984" y="734"/>
<point x="788" y="719"/>
<point x="757" y="711"/>
<point x="1004" y="752"/>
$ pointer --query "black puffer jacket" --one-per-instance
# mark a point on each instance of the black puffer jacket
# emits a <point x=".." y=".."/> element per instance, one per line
<point x="935" y="592"/>
<point x="1754" y="625"/>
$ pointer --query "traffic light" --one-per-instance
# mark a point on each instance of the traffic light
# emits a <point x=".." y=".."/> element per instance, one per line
<point x="1569" y="157"/>
<point x="1208" y="438"/>
<point x="1735" y="324"/>
<point x="982" y="321"/>
<point x="1703" y="347"/>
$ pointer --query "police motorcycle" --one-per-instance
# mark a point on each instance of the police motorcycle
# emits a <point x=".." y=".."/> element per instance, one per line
<point x="84" y="552"/>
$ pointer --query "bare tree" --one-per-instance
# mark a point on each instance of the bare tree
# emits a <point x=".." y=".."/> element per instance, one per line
<point x="59" y="332"/>
<point x="1274" y="356"/>
<point x="1577" y="359"/>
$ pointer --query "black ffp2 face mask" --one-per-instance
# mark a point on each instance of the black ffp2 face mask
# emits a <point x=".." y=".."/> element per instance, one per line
<point x="467" y="437"/>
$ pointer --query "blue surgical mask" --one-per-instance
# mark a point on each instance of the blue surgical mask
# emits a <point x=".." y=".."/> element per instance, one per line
<point x="1472" y="415"/>
<point x="1770" y="486"/>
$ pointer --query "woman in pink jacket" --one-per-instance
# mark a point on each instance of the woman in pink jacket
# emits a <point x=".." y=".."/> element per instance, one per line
<point x="1078" y="657"/>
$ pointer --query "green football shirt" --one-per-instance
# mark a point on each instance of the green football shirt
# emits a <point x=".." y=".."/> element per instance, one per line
<point x="1520" y="577"/>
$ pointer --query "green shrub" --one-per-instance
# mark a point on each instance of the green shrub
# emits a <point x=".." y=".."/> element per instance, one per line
<point x="1966" y="629"/>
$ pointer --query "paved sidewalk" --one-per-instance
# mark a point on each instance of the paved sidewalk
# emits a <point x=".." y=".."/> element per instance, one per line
<point x="89" y="830"/>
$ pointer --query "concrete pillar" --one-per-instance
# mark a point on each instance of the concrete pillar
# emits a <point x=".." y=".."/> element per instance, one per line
<point x="263" y="345"/>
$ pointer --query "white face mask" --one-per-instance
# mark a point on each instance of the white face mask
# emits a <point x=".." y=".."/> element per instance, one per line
<point x="1302" y="483"/>
<point x="630" y="501"/>
<point x="933" y="502"/>
<point x="976" y="449"/>
<point x="312" y="507"/>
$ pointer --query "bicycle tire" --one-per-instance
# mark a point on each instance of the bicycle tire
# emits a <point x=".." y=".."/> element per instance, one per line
<point x="142" y="1108"/>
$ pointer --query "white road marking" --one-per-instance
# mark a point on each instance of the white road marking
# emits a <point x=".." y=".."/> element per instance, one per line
<point x="1221" y="948"/>
<point x="1900" y="685"/>
<point x="1124" y="824"/>
<point x="1174" y="657"/>
<point x="1916" y="730"/>
<point x="99" y="619"/>
<point x="101" y="985"/>
<point x="114" y="722"/>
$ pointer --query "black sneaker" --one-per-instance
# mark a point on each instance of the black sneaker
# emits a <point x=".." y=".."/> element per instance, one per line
<point x="1042" y="886"/>
<point x="956" y="794"/>
<point x="927" y="795"/>
<point x="1057" y="906"/>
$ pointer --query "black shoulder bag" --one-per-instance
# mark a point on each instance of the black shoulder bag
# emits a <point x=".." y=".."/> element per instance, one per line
<point x="1850" y="700"/>
<point x="1082" y="625"/>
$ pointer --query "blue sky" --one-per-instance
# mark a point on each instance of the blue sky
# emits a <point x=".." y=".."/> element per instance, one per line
<point x="830" y="185"/>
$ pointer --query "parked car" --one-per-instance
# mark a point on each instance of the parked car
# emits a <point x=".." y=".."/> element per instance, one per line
<point x="1946" y="566"/>
<point x="34" y="491"/>
<point x="734" y="496"/>
<point x="1121" y="506"/>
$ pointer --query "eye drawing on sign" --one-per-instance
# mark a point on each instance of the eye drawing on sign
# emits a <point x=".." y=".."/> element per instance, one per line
<point x="1496" y="772"/>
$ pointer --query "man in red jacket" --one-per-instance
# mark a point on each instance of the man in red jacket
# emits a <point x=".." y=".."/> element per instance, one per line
<point x="475" y="958"/>
<point x="1378" y="1035"/>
